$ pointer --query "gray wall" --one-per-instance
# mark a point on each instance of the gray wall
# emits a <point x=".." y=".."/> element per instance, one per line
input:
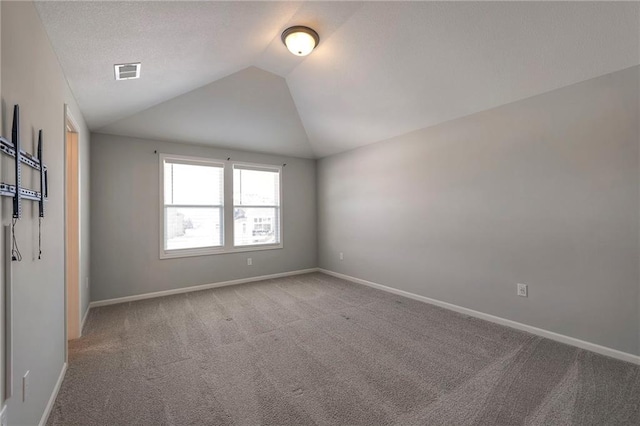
<point x="125" y="230"/>
<point x="32" y="77"/>
<point x="543" y="191"/>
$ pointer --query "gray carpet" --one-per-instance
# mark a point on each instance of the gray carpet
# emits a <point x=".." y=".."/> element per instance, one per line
<point x="314" y="349"/>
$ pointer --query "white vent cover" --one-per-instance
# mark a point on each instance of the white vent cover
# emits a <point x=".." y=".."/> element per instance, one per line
<point x="127" y="71"/>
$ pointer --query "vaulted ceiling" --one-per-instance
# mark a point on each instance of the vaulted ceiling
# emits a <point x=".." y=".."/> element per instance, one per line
<point x="217" y="73"/>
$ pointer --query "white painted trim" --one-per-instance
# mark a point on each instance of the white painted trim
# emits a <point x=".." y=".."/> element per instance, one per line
<point x="227" y="208"/>
<point x="198" y="288"/>
<point x="185" y="159"/>
<point x="593" y="347"/>
<point x="54" y="395"/>
<point x="69" y="119"/>
<point x="206" y="251"/>
<point x="84" y="319"/>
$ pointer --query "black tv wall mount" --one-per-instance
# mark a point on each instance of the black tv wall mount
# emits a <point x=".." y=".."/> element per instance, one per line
<point x="17" y="192"/>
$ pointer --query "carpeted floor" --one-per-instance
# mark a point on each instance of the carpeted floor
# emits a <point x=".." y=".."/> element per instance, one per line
<point x="314" y="349"/>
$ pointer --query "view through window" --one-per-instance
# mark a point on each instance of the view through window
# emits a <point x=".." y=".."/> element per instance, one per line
<point x="193" y="203"/>
<point x="193" y="206"/>
<point x="256" y="205"/>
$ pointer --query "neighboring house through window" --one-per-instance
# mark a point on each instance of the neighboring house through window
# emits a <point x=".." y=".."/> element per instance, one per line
<point x="256" y="204"/>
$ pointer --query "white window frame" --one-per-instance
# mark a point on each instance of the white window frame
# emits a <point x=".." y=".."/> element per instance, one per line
<point x="228" y="237"/>
<point x="253" y="247"/>
<point x="197" y="251"/>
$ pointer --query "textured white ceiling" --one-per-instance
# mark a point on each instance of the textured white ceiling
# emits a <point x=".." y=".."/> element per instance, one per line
<point x="381" y="69"/>
<point x="182" y="45"/>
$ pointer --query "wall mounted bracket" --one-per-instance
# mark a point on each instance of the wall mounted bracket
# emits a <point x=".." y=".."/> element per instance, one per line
<point x="21" y="157"/>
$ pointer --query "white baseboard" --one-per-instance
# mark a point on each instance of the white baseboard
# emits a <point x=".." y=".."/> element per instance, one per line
<point x="54" y="395"/>
<point x="197" y="288"/>
<point x="603" y="350"/>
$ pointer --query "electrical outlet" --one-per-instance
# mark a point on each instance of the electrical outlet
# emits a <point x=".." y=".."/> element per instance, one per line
<point x="249" y="261"/>
<point x="25" y="386"/>
<point x="341" y="256"/>
<point x="523" y="290"/>
<point x="3" y="417"/>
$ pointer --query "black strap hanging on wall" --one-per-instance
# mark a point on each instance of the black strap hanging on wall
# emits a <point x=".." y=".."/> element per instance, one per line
<point x="42" y="194"/>
<point x="17" y="207"/>
<point x="15" y="139"/>
<point x="43" y="179"/>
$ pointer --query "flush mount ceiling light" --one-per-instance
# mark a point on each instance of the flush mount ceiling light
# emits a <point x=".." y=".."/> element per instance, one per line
<point x="300" y="40"/>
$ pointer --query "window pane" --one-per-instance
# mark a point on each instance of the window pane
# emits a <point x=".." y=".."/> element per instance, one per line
<point x="192" y="227"/>
<point x="258" y="225"/>
<point x="192" y="184"/>
<point x="256" y="187"/>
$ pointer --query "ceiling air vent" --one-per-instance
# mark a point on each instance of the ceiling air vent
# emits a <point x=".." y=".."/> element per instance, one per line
<point x="127" y="71"/>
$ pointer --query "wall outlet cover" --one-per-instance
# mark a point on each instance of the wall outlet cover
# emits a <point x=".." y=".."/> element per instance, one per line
<point x="341" y="256"/>
<point x="249" y="261"/>
<point x="523" y="290"/>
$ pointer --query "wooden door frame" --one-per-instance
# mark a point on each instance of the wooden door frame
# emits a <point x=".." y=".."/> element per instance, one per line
<point x="71" y="128"/>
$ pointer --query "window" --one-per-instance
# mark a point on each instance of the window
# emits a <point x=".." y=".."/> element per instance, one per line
<point x="256" y="205"/>
<point x="193" y="216"/>
<point x="194" y="219"/>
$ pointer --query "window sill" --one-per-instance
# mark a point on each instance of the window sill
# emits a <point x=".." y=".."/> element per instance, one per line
<point x="175" y="254"/>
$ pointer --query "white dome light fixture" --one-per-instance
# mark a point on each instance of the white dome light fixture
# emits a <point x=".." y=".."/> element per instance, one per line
<point x="300" y="40"/>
